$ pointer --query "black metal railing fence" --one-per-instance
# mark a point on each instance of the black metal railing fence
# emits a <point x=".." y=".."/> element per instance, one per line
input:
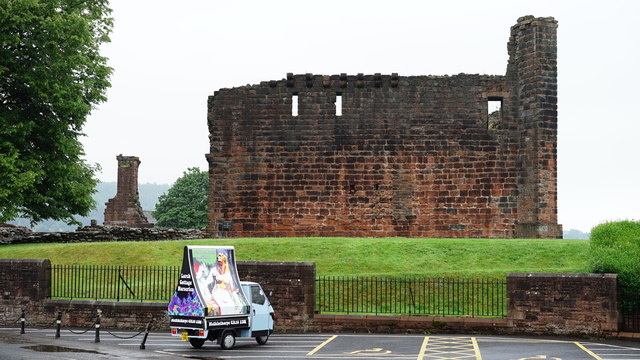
<point x="342" y="295"/>
<point x="131" y="283"/>
<point x="629" y="302"/>
<point x="411" y="296"/>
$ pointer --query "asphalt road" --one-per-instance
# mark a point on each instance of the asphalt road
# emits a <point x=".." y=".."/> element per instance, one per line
<point x="42" y="344"/>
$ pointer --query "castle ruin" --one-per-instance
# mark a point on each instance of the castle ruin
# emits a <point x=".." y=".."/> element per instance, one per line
<point x="124" y="209"/>
<point x="389" y="155"/>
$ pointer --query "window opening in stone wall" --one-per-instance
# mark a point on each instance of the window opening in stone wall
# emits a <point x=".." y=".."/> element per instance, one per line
<point x="294" y="105"/>
<point x="338" y="105"/>
<point x="494" y="113"/>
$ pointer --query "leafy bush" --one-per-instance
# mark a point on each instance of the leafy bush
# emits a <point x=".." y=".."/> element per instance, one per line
<point x="615" y="248"/>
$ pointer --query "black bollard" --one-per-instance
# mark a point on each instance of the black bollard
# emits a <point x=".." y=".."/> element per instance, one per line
<point x="146" y="333"/>
<point x="58" y="322"/>
<point x="97" y="328"/>
<point x="22" y="321"/>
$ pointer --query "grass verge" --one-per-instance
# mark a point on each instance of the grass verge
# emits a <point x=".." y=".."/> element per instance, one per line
<point x="343" y="256"/>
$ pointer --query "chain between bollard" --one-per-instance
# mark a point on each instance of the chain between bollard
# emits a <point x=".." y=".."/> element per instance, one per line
<point x="125" y="337"/>
<point x="50" y="325"/>
<point x="145" y="329"/>
<point x="85" y="331"/>
<point x="23" y="322"/>
<point x="97" y="324"/>
<point x="80" y="332"/>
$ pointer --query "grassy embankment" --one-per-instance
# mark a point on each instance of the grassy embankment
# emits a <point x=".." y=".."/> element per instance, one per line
<point x="342" y="256"/>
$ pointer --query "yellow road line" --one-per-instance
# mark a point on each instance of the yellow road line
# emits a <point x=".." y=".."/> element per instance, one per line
<point x="321" y="345"/>
<point x="476" y="348"/>
<point x="588" y="351"/>
<point x="423" y="348"/>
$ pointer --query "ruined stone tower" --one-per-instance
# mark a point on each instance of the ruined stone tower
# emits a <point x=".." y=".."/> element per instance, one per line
<point x="388" y="155"/>
<point x="532" y="78"/>
<point x="124" y="209"/>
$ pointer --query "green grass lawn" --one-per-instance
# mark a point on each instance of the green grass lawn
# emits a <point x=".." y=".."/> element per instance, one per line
<point x="342" y="256"/>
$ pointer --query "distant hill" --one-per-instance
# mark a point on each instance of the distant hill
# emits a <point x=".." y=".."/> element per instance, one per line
<point x="575" y="234"/>
<point x="149" y="194"/>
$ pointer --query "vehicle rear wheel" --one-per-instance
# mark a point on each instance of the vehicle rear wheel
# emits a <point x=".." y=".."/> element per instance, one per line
<point x="262" y="339"/>
<point x="196" y="342"/>
<point x="228" y="340"/>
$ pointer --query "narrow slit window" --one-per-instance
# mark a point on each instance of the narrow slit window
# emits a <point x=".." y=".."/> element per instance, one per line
<point x="494" y="114"/>
<point x="294" y="105"/>
<point x="338" y="105"/>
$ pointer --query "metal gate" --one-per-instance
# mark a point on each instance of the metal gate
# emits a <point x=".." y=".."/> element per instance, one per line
<point x="630" y="309"/>
<point x="631" y="320"/>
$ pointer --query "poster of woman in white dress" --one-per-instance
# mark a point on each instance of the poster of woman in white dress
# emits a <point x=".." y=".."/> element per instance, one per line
<point x="216" y="278"/>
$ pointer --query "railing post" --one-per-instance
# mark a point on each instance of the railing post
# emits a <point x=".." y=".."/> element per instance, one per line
<point x="22" y="321"/>
<point x="58" y="322"/>
<point x="118" y="283"/>
<point x="97" y="339"/>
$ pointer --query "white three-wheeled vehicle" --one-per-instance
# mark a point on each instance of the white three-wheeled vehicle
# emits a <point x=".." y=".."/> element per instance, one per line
<point x="211" y="303"/>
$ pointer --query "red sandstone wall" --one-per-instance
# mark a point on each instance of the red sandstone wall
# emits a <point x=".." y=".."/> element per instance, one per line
<point x="400" y="161"/>
<point x="409" y="156"/>
<point x="563" y="303"/>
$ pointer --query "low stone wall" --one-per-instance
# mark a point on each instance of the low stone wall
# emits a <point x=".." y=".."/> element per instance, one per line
<point x="20" y="235"/>
<point x="563" y="304"/>
<point x="557" y="304"/>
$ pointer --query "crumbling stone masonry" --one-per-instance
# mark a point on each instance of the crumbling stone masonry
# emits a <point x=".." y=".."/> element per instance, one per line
<point x="124" y="209"/>
<point x="388" y="155"/>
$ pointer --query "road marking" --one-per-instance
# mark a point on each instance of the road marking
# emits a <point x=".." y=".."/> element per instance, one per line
<point x="423" y="348"/>
<point x="449" y="348"/>
<point x="321" y="345"/>
<point x="476" y="348"/>
<point x="375" y="351"/>
<point x="588" y="351"/>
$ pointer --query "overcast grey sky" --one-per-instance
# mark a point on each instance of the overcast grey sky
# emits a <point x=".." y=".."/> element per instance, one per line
<point x="170" y="56"/>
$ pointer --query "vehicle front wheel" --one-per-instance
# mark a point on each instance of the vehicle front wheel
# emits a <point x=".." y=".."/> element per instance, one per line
<point x="196" y="342"/>
<point x="228" y="340"/>
<point x="262" y="339"/>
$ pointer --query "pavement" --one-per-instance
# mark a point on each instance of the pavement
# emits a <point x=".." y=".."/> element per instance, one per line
<point x="41" y="344"/>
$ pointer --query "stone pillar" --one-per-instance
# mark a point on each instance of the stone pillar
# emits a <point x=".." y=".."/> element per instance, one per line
<point x="294" y="289"/>
<point x="25" y="280"/>
<point x="24" y="284"/>
<point x="124" y="209"/>
<point x="563" y="304"/>
<point x="532" y="75"/>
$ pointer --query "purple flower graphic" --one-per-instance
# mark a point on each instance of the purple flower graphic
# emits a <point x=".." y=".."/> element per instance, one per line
<point x="188" y="306"/>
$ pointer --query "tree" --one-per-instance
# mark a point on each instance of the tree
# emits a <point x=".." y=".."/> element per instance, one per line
<point x="51" y="75"/>
<point x="185" y="204"/>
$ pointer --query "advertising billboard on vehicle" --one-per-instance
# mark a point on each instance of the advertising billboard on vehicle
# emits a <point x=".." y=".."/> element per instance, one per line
<point x="208" y="284"/>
